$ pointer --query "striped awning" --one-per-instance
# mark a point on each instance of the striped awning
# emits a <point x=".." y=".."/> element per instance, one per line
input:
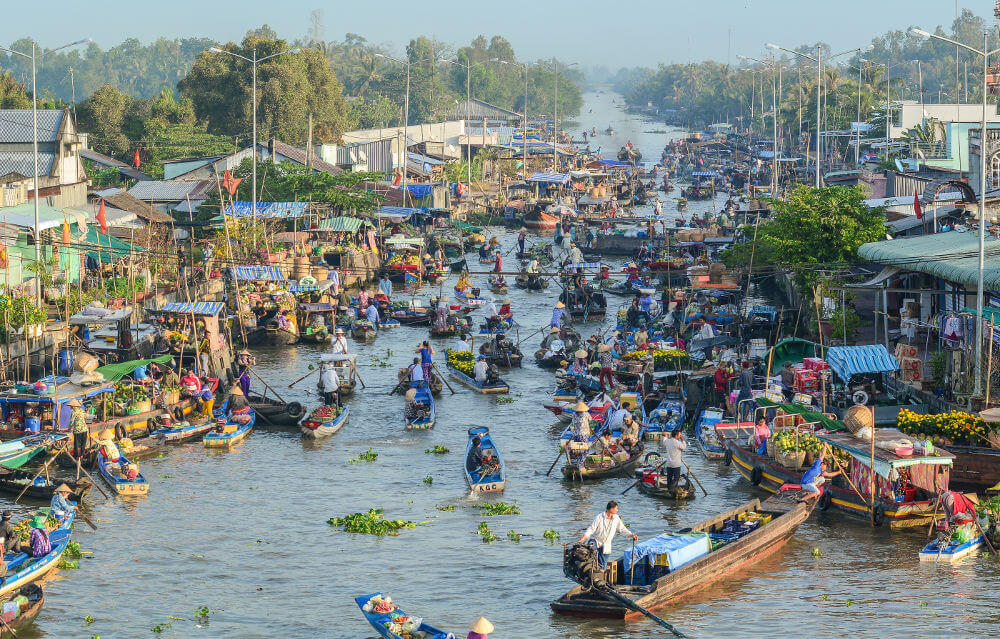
<point x="847" y="361"/>
<point x="549" y="178"/>
<point x="341" y="224"/>
<point x="267" y="209"/>
<point x="295" y="289"/>
<point x="195" y="308"/>
<point x="258" y="272"/>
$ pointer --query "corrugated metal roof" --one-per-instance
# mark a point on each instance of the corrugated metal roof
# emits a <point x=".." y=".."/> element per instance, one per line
<point x="100" y="158"/>
<point x="171" y="191"/>
<point x="23" y="163"/>
<point x="345" y="224"/>
<point x="16" y="125"/>
<point x="953" y="256"/>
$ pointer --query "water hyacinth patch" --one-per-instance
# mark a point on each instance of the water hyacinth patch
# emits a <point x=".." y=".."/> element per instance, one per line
<point x="371" y="523"/>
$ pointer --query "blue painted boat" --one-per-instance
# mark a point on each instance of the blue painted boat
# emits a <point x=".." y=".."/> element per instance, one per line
<point x="184" y="433"/>
<point x="499" y="387"/>
<point x="424" y="397"/>
<point x="379" y="621"/>
<point x="231" y="433"/>
<point x="951" y="550"/>
<point x="23" y="569"/>
<point x="120" y="484"/>
<point x="313" y="427"/>
<point x="704" y="431"/>
<point x="494" y="481"/>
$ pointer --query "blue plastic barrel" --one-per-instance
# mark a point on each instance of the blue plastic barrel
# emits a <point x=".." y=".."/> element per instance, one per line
<point x="33" y="425"/>
<point x="66" y="361"/>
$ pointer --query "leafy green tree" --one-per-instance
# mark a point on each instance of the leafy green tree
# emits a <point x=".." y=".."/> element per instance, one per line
<point x="104" y="115"/>
<point x="812" y="228"/>
<point x="13" y="94"/>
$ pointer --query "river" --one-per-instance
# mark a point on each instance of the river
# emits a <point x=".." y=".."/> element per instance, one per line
<point x="244" y="532"/>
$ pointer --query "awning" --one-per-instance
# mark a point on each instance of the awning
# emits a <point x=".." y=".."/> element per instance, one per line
<point x="341" y="224"/>
<point x="64" y="392"/>
<point x="295" y="289"/>
<point x="704" y="174"/>
<point x="549" y="178"/>
<point x="847" y="361"/>
<point x="258" y="272"/>
<point x="397" y="213"/>
<point x="94" y="316"/>
<point x="267" y="209"/>
<point x="885" y="274"/>
<point x="465" y="226"/>
<point x="419" y="190"/>
<point x="108" y="247"/>
<point x="114" y="372"/>
<point x="194" y="308"/>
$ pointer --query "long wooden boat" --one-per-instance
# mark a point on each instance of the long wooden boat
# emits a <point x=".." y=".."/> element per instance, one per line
<point x="184" y="432"/>
<point x="949" y="551"/>
<point x="506" y="360"/>
<point x="541" y="221"/>
<point x="381" y="622"/>
<point x="23" y="569"/>
<point x="653" y="481"/>
<point x="36" y="599"/>
<point x="274" y="335"/>
<point x="766" y="473"/>
<point x="12" y="482"/>
<point x="715" y="548"/>
<point x="625" y="468"/>
<point x="526" y="282"/>
<point x="121" y="485"/>
<point x="18" y="452"/>
<point x="494" y="481"/>
<point x="704" y="432"/>
<point x="315" y="426"/>
<point x="976" y="468"/>
<point x="486" y="389"/>
<point x="274" y="412"/>
<point x="228" y="436"/>
<point x="363" y="330"/>
<point x="408" y="317"/>
<point x="425" y="397"/>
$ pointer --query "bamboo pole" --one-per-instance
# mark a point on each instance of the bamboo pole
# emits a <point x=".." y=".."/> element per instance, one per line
<point x="989" y="370"/>
<point x="871" y="473"/>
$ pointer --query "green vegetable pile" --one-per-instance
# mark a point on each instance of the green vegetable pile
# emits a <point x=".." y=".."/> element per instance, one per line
<point x="371" y="523"/>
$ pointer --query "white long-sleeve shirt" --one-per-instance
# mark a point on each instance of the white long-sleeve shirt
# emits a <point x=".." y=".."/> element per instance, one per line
<point x="672" y="449"/>
<point x="603" y="530"/>
<point x="479" y="370"/>
<point x="330" y="380"/>
<point x="339" y="345"/>
<point x="617" y="418"/>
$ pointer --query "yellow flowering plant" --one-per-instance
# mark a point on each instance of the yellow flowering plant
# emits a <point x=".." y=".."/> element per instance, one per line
<point x="958" y="426"/>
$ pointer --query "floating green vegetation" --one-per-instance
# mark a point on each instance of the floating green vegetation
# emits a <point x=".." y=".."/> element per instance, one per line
<point x="367" y="456"/>
<point x="438" y="450"/>
<point x="428" y="480"/>
<point x="73" y="551"/>
<point x="371" y="523"/>
<point x="551" y="534"/>
<point x="501" y="399"/>
<point x="499" y="508"/>
<point x="487" y="534"/>
<point x="447" y="508"/>
<point x="514" y="536"/>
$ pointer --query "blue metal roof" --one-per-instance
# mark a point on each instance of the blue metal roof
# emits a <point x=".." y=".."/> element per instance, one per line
<point x="196" y="308"/>
<point x="847" y="361"/>
<point x="549" y="178"/>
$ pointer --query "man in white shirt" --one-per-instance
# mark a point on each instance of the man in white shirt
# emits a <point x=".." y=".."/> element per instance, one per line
<point x="372" y="314"/>
<point x="555" y="347"/>
<point x="603" y="530"/>
<point x="673" y="446"/>
<point x="334" y="276"/>
<point x="480" y="369"/>
<point x="331" y="385"/>
<point x="339" y="342"/>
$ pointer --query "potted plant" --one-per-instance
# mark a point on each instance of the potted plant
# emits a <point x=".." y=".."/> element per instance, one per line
<point x="939" y="368"/>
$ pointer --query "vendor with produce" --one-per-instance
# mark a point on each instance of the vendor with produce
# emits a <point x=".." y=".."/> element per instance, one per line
<point x="815" y="477"/>
<point x="959" y="508"/>
<point x="60" y="506"/>
<point x="330" y="385"/>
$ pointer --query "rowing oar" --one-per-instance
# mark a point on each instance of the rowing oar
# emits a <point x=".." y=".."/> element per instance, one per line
<point x="30" y="483"/>
<point x="358" y="375"/>
<point x="691" y="472"/>
<point x="527" y="336"/>
<point x="558" y="457"/>
<point x="628" y="603"/>
<point x="85" y="518"/>
<point x="303" y="377"/>
<point x="443" y="379"/>
<point x="89" y="476"/>
<point x="930" y="528"/>
<point x="9" y="629"/>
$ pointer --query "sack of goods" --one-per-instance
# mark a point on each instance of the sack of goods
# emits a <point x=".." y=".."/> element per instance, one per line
<point x="132" y="471"/>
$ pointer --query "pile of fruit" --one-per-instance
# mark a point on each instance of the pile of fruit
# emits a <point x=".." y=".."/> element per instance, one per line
<point x="461" y="360"/>
<point x="662" y="357"/>
<point x="787" y="440"/>
<point x="403" y="260"/>
<point x="324" y="414"/>
<point x="23" y="530"/>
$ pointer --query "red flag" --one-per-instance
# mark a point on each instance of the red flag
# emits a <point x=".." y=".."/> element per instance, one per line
<point x="230" y="182"/>
<point x="916" y="207"/>
<point x="397" y="179"/>
<point x="65" y="235"/>
<point x="136" y="161"/>
<point x="102" y="217"/>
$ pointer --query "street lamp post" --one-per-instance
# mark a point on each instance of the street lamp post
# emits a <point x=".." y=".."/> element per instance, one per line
<point x="985" y="53"/>
<point x="34" y="119"/>
<point x="253" y="62"/>
<point x="774" y="114"/>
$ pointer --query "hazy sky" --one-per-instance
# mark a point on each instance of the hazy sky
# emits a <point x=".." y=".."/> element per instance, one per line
<point x="636" y="33"/>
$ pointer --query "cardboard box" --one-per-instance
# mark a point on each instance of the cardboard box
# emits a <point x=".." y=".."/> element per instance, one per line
<point x="910" y="364"/>
<point x="815" y="364"/>
<point x="905" y="350"/>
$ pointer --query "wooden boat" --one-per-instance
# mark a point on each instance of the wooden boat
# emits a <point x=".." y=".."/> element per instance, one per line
<point x="315" y="334"/>
<point x="595" y="308"/>
<point x="458" y="265"/>
<point x="363" y="330"/>
<point x="465" y="380"/>
<point x="496" y="286"/>
<point x="541" y="221"/>
<point x="654" y="484"/>
<point x="532" y="284"/>
<point x="18" y="452"/>
<point x="23" y="569"/>
<point x="274" y="335"/>
<point x="322" y="423"/>
<point x="508" y="359"/>
<point x="274" y="412"/>
<point x="949" y="551"/>
<point x="704" y="431"/>
<point x="184" y="431"/>
<point x="231" y="433"/>
<point x="36" y="599"/>
<point x="614" y="468"/>
<point x="121" y="485"/>
<point x="705" y="553"/>
<point x="380" y="621"/>
<point x="436" y="274"/>
<point x="12" y="482"/>
<point x="403" y="375"/>
<point x="424" y="397"/>
<point x="413" y="317"/>
<point x="496" y="480"/>
<point x="768" y="474"/>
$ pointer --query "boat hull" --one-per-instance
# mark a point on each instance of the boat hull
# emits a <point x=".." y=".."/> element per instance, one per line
<point x="951" y="553"/>
<point x="124" y="487"/>
<point x="465" y="380"/>
<point x="325" y="429"/>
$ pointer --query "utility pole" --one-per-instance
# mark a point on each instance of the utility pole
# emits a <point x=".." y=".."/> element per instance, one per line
<point x="309" y="144"/>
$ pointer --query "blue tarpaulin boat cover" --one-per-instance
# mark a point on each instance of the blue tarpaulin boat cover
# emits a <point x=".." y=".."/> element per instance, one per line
<point x="847" y="361"/>
<point x="549" y="178"/>
<point x="267" y="209"/>
<point x="419" y="190"/>
<point x="401" y="212"/>
<point x="614" y="163"/>
<point x="680" y="549"/>
<point x="196" y="308"/>
<point x="703" y="174"/>
<point x="258" y="272"/>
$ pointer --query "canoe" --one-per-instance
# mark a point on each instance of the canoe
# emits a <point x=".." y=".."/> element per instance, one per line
<point x="18" y="452"/>
<point x="363" y="330"/>
<point x="653" y="481"/>
<point x="274" y="335"/>
<point x="379" y="621"/>
<point x="705" y="553"/>
<point x="704" y="431"/>
<point x="313" y="429"/>
<point x="950" y="551"/>
<point x="36" y="599"/>
<point x="424" y="397"/>
<point x="573" y="472"/>
<point x="537" y="284"/>
<point x="12" y="482"/>
<point x="506" y="360"/>
<point x="492" y="482"/>
<point x="216" y="439"/>
<point x="486" y="389"/>
<point x="184" y="433"/>
<point x="23" y="569"/>
<point x="274" y="412"/>
<point x="121" y="485"/>
<point x="407" y="317"/>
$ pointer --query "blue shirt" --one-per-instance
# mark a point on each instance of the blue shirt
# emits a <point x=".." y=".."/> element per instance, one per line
<point x="425" y="355"/>
<point x="60" y="503"/>
<point x="557" y="315"/>
<point x="372" y="313"/>
<point x="386" y="287"/>
<point x="646" y="303"/>
<point x="814" y="471"/>
<point x="139" y="372"/>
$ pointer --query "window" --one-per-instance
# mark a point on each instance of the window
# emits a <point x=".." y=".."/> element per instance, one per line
<point x="993" y="173"/>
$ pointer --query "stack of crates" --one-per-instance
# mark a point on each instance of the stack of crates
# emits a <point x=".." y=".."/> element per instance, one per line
<point x="740" y="528"/>
<point x="806" y="380"/>
<point x="763" y="518"/>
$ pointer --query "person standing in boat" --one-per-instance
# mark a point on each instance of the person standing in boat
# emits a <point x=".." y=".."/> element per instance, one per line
<point x="426" y="361"/>
<point x="385" y="286"/>
<point x="521" y="239"/>
<point x="603" y="529"/>
<point x="442" y="312"/>
<point x="78" y="424"/>
<point x="607" y="367"/>
<point x="559" y="315"/>
<point x="330" y="383"/>
<point x="673" y="448"/>
<point x="371" y="313"/>
<point x="339" y="342"/>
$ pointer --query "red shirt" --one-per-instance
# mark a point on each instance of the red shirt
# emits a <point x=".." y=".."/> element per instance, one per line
<point x="721" y="379"/>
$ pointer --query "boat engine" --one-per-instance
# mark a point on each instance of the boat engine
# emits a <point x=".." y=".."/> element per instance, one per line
<point x="580" y="565"/>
